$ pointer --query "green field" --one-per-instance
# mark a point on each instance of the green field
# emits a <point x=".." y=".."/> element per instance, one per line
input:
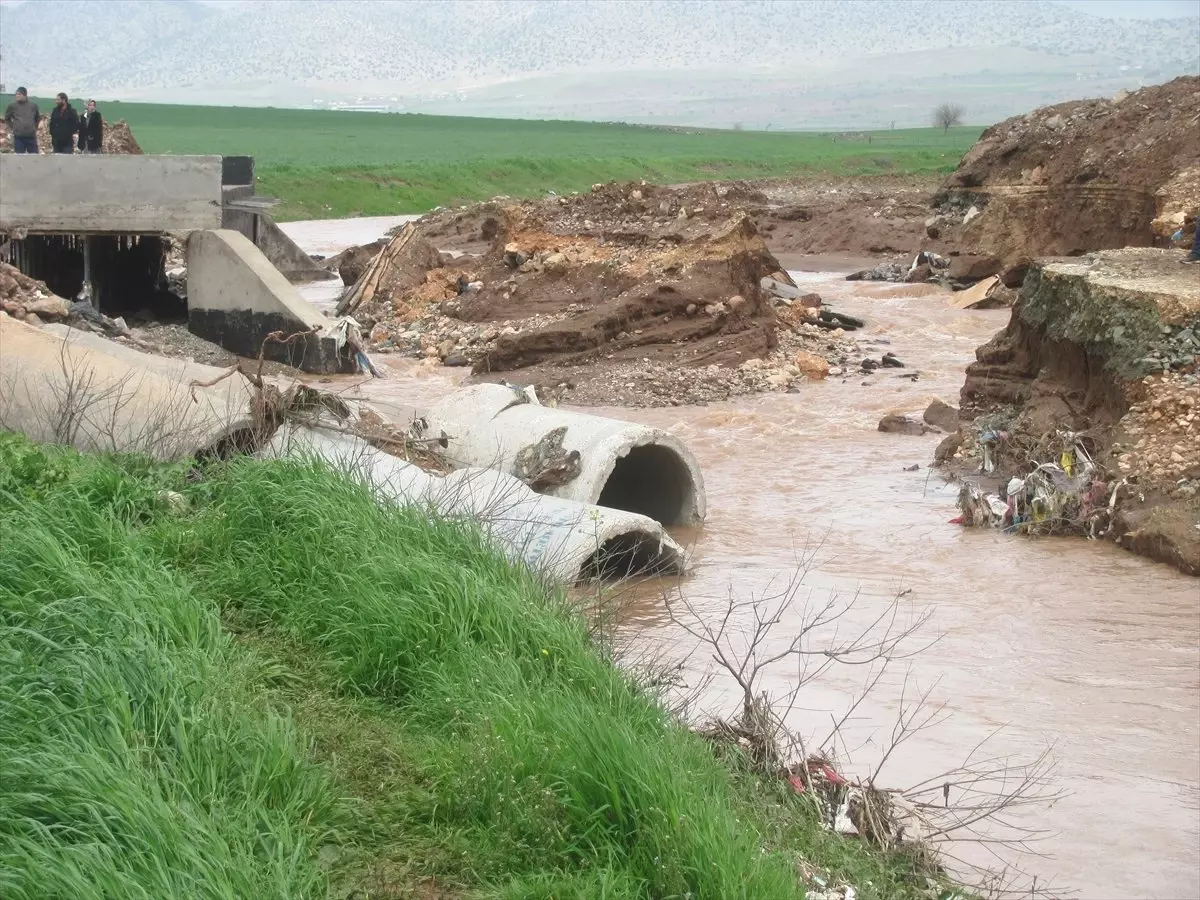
<point x="328" y="164"/>
<point x="274" y="688"/>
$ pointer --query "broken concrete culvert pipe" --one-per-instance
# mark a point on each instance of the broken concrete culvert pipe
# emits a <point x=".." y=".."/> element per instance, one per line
<point x="62" y="386"/>
<point x="570" y="455"/>
<point x="559" y="538"/>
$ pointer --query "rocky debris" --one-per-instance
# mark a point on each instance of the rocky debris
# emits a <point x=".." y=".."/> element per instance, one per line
<point x="644" y="382"/>
<point x="624" y="277"/>
<point x="811" y="365"/>
<point x="888" y="271"/>
<point x="1175" y="206"/>
<point x="1161" y="435"/>
<point x="898" y="423"/>
<point x="22" y="296"/>
<point x="118" y="137"/>
<point x="1078" y="176"/>
<point x="352" y="262"/>
<point x="941" y="415"/>
<point x="545" y="464"/>
<point x="1099" y="361"/>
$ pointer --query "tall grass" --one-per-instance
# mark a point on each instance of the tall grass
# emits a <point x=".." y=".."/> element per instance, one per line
<point x="135" y="760"/>
<point x="397" y="693"/>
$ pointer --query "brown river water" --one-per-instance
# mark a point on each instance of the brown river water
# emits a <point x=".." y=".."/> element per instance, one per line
<point x="1062" y="643"/>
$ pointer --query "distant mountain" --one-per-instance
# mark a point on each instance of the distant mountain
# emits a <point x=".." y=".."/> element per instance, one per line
<point x="291" y="51"/>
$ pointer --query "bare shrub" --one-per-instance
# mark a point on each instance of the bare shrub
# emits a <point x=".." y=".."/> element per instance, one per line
<point x="977" y="802"/>
<point x="947" y="115"/>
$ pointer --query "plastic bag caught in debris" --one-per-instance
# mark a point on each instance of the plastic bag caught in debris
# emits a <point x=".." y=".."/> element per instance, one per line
<point x="1056" y="497"/>
<point x="346" y="331"/>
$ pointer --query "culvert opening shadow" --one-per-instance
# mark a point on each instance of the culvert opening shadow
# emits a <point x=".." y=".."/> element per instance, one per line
<point x="654" y="481"/>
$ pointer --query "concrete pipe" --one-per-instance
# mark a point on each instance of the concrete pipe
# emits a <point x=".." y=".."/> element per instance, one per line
<point x="560" y="538"/>
<point x="620" y="465"/>
<point x="63" y="386"/>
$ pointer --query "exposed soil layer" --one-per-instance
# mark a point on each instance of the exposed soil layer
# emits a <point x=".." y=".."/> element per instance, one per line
<point x="1105" y="347"/>
<point x="624" y="285"/>
<point x="1077" y="176"/>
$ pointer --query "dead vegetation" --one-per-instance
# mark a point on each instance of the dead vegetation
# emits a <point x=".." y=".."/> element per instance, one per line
<point x="977" y="803"/>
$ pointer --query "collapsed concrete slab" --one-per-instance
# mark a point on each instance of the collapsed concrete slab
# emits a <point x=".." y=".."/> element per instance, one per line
<point x="560" y="538"/>
<point x="60" y="194"/>
<point x="71" y="387"/>
<point x="593" y="459"/>
<point x="236" y="298"/>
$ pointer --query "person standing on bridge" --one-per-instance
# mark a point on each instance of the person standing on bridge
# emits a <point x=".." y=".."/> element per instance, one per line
<point x="22" y="119"/>
<point x="91" y="130"/>
<point x="64" y="125"/>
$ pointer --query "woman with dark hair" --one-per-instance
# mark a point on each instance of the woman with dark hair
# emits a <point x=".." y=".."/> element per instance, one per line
<point x="91" y="130"/>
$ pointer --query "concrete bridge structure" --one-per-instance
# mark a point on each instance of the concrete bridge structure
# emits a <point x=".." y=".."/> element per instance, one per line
<point x="98" y="228"/>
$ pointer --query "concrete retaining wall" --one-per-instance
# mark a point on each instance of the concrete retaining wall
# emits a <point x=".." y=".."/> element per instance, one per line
<point x="622" y="465"/>
<point x="236" y="298"/>
<point x="82" y="194"/>
<point x="296" y="265"/>
<point x="560" y="538"/>
<point x="288" y="258"/>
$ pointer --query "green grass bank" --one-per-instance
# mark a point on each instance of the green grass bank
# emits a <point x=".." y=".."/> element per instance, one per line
<point x="285" y="691"/>
<point x="323" y="164"/>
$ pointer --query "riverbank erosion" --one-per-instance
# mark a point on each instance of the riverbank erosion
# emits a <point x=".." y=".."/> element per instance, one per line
<point x="1080" y="176"/>
<point x="1094" y="385"/>
<point x="646" y="295"/>
<point x="298" y="691"/>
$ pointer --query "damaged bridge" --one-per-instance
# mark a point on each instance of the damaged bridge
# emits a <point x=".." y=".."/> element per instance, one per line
<point x="98" y="228"/>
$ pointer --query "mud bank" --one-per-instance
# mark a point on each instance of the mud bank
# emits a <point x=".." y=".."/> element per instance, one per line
<point x="1098" y="361"/>
<point x="605" y="295"/>
<point x="1081" y="176"/>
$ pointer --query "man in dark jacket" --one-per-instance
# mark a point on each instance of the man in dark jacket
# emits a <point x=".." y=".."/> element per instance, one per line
<point x="64" y="125"/>
<point x="91" y="130"/>
<point x="22" y="119"/>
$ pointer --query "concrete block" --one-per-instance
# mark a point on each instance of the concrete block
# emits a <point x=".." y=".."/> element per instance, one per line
<point x="82" y="194"/>
<point x="236" y="298"/>
<point x="296" y="265"/>
<point x="288" y="258"/>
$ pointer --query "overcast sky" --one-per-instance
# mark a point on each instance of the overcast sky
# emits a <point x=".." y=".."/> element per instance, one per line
<point x="1137" y="9"/>
<point x="1126" y="9"/>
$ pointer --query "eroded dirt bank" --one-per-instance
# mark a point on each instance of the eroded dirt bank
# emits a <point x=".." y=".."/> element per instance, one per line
<point x="1100" y="354"/>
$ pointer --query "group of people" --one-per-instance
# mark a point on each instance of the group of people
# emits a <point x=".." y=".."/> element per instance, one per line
<point x="67" y="128"/>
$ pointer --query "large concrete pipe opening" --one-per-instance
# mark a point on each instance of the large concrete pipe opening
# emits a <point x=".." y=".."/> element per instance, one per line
<point x="572" y="455"/>
<point x="630" y="554"/>
<point x="651" y="480"/>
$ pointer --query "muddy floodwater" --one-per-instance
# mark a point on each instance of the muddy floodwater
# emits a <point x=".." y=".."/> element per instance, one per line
<point x="1060" y="643"/>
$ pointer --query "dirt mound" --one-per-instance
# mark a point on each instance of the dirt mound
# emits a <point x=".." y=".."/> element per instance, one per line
<point x="118" y="138"/>
<point x="695" y="302"/>
<point x="856" y="217"/>
<point x="1100" y="358"/>
<point x="23" y="297"/>
<point x="632" y="283"/>
<point x="1074" y="177"/>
